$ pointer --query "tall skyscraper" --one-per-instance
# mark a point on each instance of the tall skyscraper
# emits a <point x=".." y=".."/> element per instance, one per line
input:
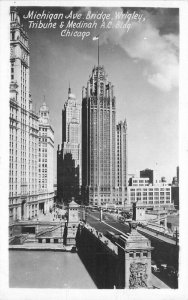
<point x="30" y="178"/>
<point x="23" y="146"/>
<point x="45" y="167"/>
<point x="177" y="172"/>
<point x="69" y="165"/>
<point x="98" y="139"/>
<point x="121" y="162"/>
<point x="71" y="130"/>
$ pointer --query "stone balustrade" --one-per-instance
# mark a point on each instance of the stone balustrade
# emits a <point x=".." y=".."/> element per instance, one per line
<point x="102" y="238"/>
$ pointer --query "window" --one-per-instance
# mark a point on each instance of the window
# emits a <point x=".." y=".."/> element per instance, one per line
<point x="13" y="36"/>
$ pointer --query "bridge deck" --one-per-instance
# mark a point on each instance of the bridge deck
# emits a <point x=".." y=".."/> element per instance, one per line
<point x="157" y="235"/>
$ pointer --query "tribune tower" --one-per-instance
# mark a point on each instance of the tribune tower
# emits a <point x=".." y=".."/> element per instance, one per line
<point x="98" y="139"/>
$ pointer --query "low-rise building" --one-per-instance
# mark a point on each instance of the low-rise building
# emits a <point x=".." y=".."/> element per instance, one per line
<point x="134" y="181"/>
<point x="151" y="195"/>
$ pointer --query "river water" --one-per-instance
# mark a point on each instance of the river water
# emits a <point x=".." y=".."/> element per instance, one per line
<point x="47" y="269"/>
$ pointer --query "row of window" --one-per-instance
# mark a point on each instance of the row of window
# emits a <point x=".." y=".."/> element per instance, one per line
<point x="149" y="189"/>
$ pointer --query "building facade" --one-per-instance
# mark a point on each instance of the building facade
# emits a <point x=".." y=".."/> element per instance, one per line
<point x="134" y="181"/>
<point x="69" y="166"/>
<point x="45" y="162"/>
<point x="177" y="171"/>
<point x="23" y="128"/>
<point x="148" y="173"/>
<point x="121" y="162"/>
<point x="24" y="195"/>
<point x="152" y="196"/>
<point x="175" y="189"/>
<point x="71" y="130"/>
<point x="98" y="139"/>
<point x="102" y="182"/>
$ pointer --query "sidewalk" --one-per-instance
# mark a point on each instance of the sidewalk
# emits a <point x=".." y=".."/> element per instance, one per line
<point x="49" y="217"/>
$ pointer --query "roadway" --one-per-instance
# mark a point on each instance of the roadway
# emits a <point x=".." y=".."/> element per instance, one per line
<point x="109" y="224"/>
<point x="112" y="224"/>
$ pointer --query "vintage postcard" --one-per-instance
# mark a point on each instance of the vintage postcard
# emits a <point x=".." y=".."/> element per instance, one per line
<point x="93" y="149"/>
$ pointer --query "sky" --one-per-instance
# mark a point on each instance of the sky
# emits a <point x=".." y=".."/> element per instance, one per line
<point x="142" y="64"/>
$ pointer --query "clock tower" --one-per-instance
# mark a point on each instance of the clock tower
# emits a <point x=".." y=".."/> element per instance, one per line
<point x="72" y="224"/>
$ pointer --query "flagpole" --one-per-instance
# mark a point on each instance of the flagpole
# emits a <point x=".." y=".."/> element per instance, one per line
<point x="94" y="39"/>
<point x="98" y="51"/>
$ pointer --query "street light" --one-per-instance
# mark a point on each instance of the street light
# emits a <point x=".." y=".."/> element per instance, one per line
<point x="85" y="214"/>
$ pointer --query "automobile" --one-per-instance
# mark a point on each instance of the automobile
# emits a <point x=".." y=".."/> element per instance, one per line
<point x="112" y="236"/>
<point x="163" y="267"/>
<point x="128" y="220"/>
<point x="176" y="234"/>
<point x="122" y="220"/>
<point x="73" y="249"/>
<point x="154" y="268"/>
<point x="171" y="270"/>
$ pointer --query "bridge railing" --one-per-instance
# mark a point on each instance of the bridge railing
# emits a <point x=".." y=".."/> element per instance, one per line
<point x="49" y="229"/>
<point x="158" y="232"/>
<point x="103" y="239"/>
<point x="19" y="237"/>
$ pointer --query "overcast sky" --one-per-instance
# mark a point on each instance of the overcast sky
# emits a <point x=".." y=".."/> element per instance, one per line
<point x="142" y="64"/>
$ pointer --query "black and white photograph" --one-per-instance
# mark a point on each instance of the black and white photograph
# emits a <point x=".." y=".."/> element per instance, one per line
<point x="93" y="152"/>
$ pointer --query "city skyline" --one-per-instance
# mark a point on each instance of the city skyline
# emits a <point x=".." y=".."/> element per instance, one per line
<point x="150" y="108"/>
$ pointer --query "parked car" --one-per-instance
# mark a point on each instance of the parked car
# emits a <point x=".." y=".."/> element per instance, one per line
<point x="121" y="220"/>
<point x="154" y="268"/>
<point x="163" y="267"/>
<point x="171" y="270"/>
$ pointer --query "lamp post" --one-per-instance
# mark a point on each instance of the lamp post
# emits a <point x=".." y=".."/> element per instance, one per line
<point x="176" y="236"/>
<point x="85" y="214"/>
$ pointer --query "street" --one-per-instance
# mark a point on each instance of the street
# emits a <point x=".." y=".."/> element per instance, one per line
<point x="109" y="224"/>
